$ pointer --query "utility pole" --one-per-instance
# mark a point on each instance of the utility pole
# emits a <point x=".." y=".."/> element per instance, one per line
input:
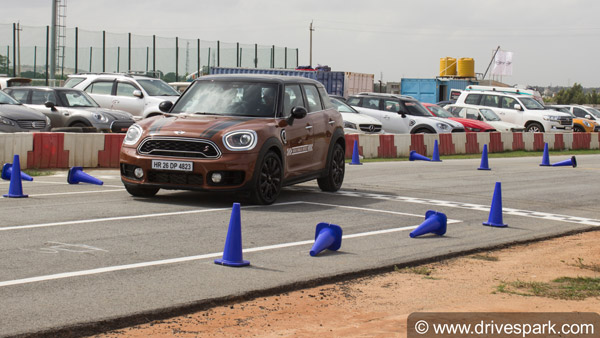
<point x="53" y="40"/>
<point x="311" y="29"/>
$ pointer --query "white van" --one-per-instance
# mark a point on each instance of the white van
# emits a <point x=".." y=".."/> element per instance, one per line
<point x="520" y="109"/>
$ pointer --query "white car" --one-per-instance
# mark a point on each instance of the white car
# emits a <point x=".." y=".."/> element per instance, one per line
<point x="402" y="114"/>
<point x="136" y="94"/>
<point x="484" y="114"/>
<point x="354" y="122"/>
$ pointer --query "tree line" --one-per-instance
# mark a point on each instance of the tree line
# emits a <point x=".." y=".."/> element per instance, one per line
<point x="576" y="95"/>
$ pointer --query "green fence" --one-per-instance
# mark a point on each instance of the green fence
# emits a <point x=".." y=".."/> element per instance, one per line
<point x="24" y="51"/>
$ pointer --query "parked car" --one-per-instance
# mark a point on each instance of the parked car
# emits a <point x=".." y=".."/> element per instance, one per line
<point x="253" y="133"/>
<point x="354" y="122"/>
<point x="72" y="108"/>
<point x="484" y="114"/>
<point x="401" y="114"/>
<point x="15" y="117"/>
<point x="469" y="124"/>
<point x="520" y="109"/>
<point x="6" y="82"/>
<point x="585" y="119"/>
<point x="136" y="94"/>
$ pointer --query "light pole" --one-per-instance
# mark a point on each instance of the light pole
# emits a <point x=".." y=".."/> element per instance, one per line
<point x="311" y="29"/>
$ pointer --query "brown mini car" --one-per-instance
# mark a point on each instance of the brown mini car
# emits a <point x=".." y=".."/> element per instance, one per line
<point x="255" y="133"/>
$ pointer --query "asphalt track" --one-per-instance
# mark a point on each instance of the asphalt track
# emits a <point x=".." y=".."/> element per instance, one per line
<point x="75" y="259"/>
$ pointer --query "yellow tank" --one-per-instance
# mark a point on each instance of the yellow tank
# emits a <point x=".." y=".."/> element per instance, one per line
<point x="466" y="67"/>
<point x="448" y="66"/>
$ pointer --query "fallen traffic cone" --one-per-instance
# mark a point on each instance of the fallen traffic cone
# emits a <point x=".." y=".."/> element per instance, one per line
<point x="495" y="218"/>
<point x="7" y="172"/>
<point x="327" y="236"/>
<point x="15" y="189"/>
<point x="416" y="156"/>
<point x="545" y="157"/>
<point x="232" y="254"/>
<point x="436" y="153"/>
<point x="572" y="161"/>
<point x="355" y="155"/>
<point x="484" y="159"/>
<point x="434" y="222"/>
<point x="77" y="175"/>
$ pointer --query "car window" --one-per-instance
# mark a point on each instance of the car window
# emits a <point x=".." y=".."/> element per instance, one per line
<point x="292" y="97"/>
<point x="489" y="115"/>
<point x="490" y="101"/>
<point x="577" y="111"/>
<point x="472" y="113"/>
<point x="415" y="108"/>
<point x="371" y="103"/>
<point x="157" y="87"/>
<point x="125" y="89"/>
<point x="508" y="102"/>
<point x="102" y="87"/>
<point x="440" y="112"/>
<point x="7" y="99"/>
<point x="327" y="104"/>
<point x="42" y="96"/>
<point x="354" y="101"/>
<point x="19" y="94"/>
<point x="532" y="104"/>
<point x="313" y="98"/>
<point x="473" y="99"/>
<point x="342" y="107"/>
<point x="76" y="99"/>
<point x="391" y="105"/>
<point x="73" y="81"/>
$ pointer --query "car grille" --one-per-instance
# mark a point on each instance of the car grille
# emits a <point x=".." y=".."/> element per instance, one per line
<point x="370" y="128"/>
<point x="179" y="147"/>
<point x="174" y="178"/>
<point x="566" y="120"/>
<point x="32" y="124"/>
<point x="458" y="130"/>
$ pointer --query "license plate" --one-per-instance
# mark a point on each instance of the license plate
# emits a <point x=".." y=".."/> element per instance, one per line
<point x="172" y="165"/>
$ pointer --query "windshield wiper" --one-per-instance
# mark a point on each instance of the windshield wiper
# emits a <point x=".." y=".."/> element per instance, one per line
<point x="204" y="113"/>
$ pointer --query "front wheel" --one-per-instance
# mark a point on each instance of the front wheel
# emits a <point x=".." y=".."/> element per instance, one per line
<point x="141" y="191"/>
<point x="268" y="179"/>
<point x="535" y="128"/>
<point x="335" y="172"/>
<point x="578" y="129"/>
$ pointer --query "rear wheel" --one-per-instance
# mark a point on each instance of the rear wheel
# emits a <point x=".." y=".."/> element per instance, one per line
<point x="335" y="172"/>
<point x="534" y="127"/>
<point x="141" y="191"/>
<point x="268" y="179"/>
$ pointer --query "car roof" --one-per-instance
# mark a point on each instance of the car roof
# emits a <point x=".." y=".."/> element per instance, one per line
<point x="395" y="96"/>
<point x="45" y="88"/>
<point x="260" y="77"/>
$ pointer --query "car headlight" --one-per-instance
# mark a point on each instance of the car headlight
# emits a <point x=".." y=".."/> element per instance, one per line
<point x="350" y="125"/>
<point x="100" y="117"/>
<point x="240" y="140"/>
<point x="587" y="124"/>
<point x="133" y="134"/>
<point x="6" y="121"/>
<point x="552" y="118"/>
<point x="48" y="122"/>
<point x="472" y="129"/>
<point x="443" y="126"/>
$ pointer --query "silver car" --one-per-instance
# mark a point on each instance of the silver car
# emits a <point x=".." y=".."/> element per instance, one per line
<point x="72" y="108"/>
<point x="15" y="117"/>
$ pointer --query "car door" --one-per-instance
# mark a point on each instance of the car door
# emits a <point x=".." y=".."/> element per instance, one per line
<point x="101" y="91"/>
<point x="38" y="100"/>
<point x="507" y="111"/>
<point x="298" y="136"/>
<point x="125" y="100"/>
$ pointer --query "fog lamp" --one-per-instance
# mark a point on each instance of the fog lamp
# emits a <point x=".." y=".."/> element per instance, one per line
<point x="216" y="177"/>
<point x="138" y="172"/>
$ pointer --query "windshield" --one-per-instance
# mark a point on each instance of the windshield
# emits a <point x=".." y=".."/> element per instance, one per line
<point x="532" y="104"/>
<point x="489" y="114"/>
<point x="229" y="98"/>
<point x="440" y="112"/>
<point x="76" y="98"/>
<point x="157" y="87"/>
<point x="416" y="109"/>
<point x="594" y="111"/>
<point x="342" y="107"/>
<point x="6" y="99"/>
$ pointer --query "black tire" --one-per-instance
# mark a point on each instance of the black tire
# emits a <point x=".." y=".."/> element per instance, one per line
<point x="335" y="171"/>
<point x="141" y="191"/>
<point x="578" y="129"/>
<point x="268" y="179"/>
<point x="534" y="127"/>
<point x="424" y="131"/>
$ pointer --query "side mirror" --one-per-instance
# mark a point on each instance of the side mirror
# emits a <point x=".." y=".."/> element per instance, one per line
<point x="138" y="93"/>
<point x="298" y="112"/>
<point x="588" y="116"/>
<point x="402" y="113"/>
<point x="517" y="106"/>
<point x="165" y="106"/>
<point x="51" y="105"/>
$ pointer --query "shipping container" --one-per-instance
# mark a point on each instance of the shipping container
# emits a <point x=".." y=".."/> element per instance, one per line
<point x="432" y="90"/>
<point x="355" y="83"/>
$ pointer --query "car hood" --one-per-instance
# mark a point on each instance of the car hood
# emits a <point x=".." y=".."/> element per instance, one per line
<point x="18" y="112"/>
<point x="504" y="126"/>
<point x="360" y="118"/>
<point x="472" y="123"/>
<point x="115" y="114"/>
<point x="454" y="124"/>
<point x="200" y="126"/>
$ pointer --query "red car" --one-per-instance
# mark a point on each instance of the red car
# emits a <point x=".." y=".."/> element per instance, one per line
<point x="470" y="125"/>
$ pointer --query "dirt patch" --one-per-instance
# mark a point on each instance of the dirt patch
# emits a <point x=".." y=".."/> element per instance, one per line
<point x="378" y="306"/>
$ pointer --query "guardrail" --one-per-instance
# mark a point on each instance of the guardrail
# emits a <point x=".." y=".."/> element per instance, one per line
<point x="91" y="150"/>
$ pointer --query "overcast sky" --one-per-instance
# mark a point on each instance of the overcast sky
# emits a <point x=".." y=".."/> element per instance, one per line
<point x="555" y="42"/>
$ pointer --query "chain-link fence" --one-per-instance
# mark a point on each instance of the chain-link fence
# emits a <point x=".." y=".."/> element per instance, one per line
<point x="24" y="51"/>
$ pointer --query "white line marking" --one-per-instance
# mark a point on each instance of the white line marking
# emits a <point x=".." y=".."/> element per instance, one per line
<point x="76" y="192"/>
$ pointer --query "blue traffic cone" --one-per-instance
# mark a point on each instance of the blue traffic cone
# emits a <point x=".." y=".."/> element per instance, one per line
<point x="572" y="162"/>
<point x="545" y="157"/>
<point x="15" y="189"/>
<point x="484" y="159"/>
<point x="436" y="152"/>
<point x="355" y="155"/>
<point x="232" y="253"/>
<point x="7" y="172"/>
<point x="327" y="236"/>
<point x="495" y="218"/>
<point x="77" y="175"/>
<point x="434" y="222"/>
<point x="416" y="156"/>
